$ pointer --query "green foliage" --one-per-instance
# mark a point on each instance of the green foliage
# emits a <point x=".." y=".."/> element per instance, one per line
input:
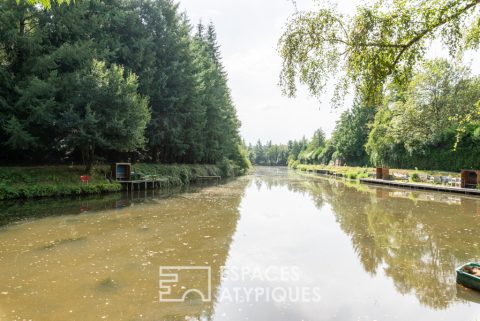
<point x="273" y="154"/>
<point x="432" y="123"/>
<point x="437" y="98"/>
<point x="351" y="135"/>
<point x="96" y="80"/>
<point x="415" y="177"/>
<point x="104" y="112"/>
<point x="381" y="147"/>
<point x="318" y="140"/>
<point x="408" y="112"/>
<point x="356" y="173"/>
<point x="311" y="151"/>
<point x="346" y="145"/>
<point x="242" y="160"/>
<point x="420" y="127"/>
<point x="30" y="182"/>
<point x="293" y="164"/>
<point x="221" y="131"/>
<point x="49" y="181"/>
<point x="176" y="174"/>
<point x="317" y="150"/>
<point x="18" y="137"/>
<point x="380" y="44"/>
<point x="45" y="3"/>
<point x="473" y="35"/>
<point x="351" y="175"/>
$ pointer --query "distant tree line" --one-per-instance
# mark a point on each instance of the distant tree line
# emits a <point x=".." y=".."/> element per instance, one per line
<point x="280" y="154"/>
<point x="268" y="154"/>
<point x="95" y="80"/>
<point x="408" y="111"/>
<point x="432" y="124"/>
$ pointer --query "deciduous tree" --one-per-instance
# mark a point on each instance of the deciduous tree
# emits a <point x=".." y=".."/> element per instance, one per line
<point x="381" y="43"/>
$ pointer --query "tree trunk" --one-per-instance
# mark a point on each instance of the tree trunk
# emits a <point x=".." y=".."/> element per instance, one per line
<point x="88" y="156"/>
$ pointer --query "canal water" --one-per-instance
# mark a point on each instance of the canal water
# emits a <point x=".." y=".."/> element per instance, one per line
<point x="274" y="245"/>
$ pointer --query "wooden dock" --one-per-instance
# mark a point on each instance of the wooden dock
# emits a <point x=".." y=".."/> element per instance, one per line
<point x="430" y="187"/>
<point x="139" y="183"/>
<point x="152" y="183"/>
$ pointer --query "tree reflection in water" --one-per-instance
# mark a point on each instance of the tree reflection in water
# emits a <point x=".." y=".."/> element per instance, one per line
<point x="58" y="261"/>
<point x="416" y="237"/>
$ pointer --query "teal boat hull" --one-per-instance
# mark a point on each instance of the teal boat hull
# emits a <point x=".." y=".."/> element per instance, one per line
<point x="468" y="280"/>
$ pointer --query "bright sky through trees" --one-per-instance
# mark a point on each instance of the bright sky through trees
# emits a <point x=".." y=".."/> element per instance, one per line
<point x="248" y="32"/>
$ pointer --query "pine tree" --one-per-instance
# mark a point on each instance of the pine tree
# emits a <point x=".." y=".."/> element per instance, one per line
<point x="54" y="64"/>
<point x="105" y="111"/>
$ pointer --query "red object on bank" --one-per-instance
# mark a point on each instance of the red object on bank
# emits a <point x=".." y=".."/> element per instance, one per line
<point x="84" y="179"/>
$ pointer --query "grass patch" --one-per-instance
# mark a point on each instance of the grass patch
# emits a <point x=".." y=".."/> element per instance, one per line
<point x="49" y="181"/>
<point x="52" y="181"/>
<point x="414" y="175"/>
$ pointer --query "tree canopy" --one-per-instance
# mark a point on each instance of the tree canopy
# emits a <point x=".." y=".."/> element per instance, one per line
<point x="408" y="111"/>
<point x="382" y="43"/>
<point x="44" y="3"/>
<point x="110" y="80"/>
<point x="420" y="125"/>
<point x="104" y="111"/>
<point x="416" y="127"/>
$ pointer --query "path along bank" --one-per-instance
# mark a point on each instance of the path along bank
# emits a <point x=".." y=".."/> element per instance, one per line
<point x="448" y="182"/>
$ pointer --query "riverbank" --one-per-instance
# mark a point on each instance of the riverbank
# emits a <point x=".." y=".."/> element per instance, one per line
<point x="61" y="180"/>
<point x="414" y="175"/>
<point x="448" y="182"/>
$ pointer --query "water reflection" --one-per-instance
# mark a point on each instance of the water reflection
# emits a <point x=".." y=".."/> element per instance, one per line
<point x="416" y="238"/>
<point x="375" y="253"/>
<point x="15" y="211"/>
<point x="104" y="264"/>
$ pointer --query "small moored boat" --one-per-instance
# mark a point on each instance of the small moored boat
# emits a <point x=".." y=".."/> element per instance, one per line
<point x="466" y="275"/>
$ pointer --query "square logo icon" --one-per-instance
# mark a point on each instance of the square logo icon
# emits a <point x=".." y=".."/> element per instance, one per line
<point x="179" y="282"/>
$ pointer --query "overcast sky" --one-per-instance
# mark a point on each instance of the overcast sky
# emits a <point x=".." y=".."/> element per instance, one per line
<point x="248" y="32"/>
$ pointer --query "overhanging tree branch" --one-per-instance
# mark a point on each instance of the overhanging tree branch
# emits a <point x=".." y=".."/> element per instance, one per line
<point x="423" y="33"/>
<point x="369" y="47"/>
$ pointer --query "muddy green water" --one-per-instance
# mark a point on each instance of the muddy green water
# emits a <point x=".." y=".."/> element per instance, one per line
<point x="294" y="247"/>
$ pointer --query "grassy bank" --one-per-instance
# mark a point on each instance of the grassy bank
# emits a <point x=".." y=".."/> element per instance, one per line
<point x="51" y="181"/>
<point x="364" y="172"/>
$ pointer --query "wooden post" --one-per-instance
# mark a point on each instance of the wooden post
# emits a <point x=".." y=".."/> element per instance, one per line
<point x="463" y="178"/>
<point x="386" y="173"/>
<point x="382" y="173"/>
<point x="378" y="173"/>
<point x="466" y="178"/>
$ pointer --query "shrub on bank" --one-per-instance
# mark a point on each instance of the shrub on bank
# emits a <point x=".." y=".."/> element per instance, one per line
<point x="415" y="178"/>
<point x="180" y="174"/>
<point x="48" y="181"/>
<point x="363" y="172"/>
<point x="352" y="175"/>
<point x="50" y="190"/>
<point x="357" y="173"/>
